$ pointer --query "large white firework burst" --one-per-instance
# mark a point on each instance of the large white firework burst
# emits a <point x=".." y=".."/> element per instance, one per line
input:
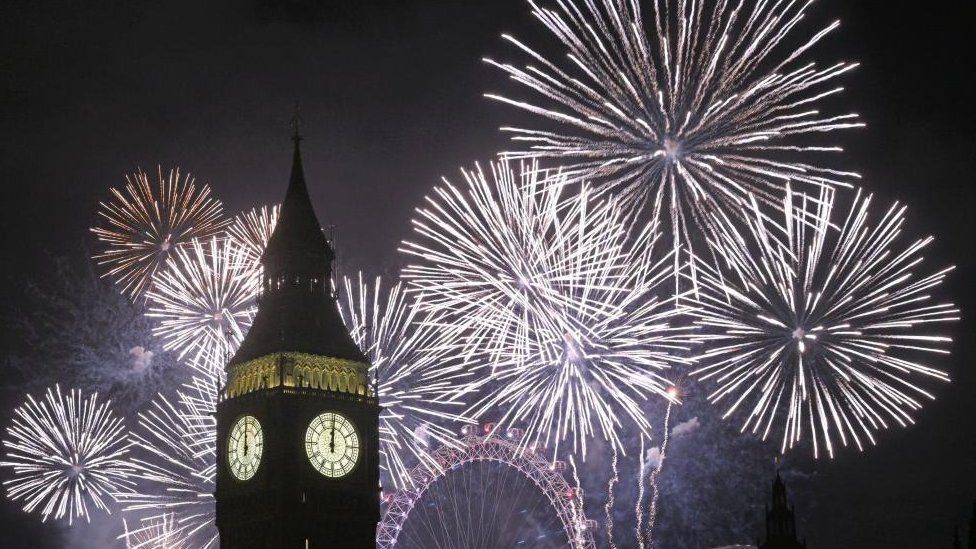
<point x="686" y="113"/>
<point x="67" y="453"/>
<point x="175" y="461"/>
<point x="549" y="294"/>
<point x="410" y="365"/>
<point x="204" y="300"/>
<point x="819" y="331"/>
<point x="142" y="225"/>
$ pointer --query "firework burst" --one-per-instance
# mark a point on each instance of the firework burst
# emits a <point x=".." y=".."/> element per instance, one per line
<point x="689" y="112"/>
<point x="408" y="362"/>
<point x="817" y="330"/>
<point x="203" y="300"/>
<point x="67" y="453"/>
<point x="552" y="298"/>
<point x="143" y="225"/>
<point x="251" y="232"/>
<point x="175" y="462"/>
<point x="198" y="401"/>
<point x="156" y="533"/>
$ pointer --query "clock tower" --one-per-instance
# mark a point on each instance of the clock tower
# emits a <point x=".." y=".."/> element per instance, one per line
<point x="298" y="420"/>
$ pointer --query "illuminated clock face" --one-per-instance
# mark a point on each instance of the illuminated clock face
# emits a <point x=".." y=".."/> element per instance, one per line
<point x="244" y="447"/>
<point x="332" y="444"/>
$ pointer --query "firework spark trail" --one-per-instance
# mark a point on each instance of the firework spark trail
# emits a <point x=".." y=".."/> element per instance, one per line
<point x="652" y="510"/>
<point x="66" y="453"/>
<point x="198" y="408"/>
<point x="823" y="320"/>
<point x="690" y="112"/>
<point x="203" y="300"/>
<point x="142" y="226"/>
<point x="419" y="408"/>
<point x="614" y="478"/>
<point x="250" y="232"/>
<point x="176" y="462"/>
<point x="578" y="505"/>
<point x="177" y="471"/>
<point x="156" y="533"/>
<point x="639" y="508"/>
<point x="551" y="299"/>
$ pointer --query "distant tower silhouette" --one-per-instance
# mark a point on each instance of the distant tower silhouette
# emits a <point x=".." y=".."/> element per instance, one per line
<point x="972" y="528"/>
<point x="780" y="521"/>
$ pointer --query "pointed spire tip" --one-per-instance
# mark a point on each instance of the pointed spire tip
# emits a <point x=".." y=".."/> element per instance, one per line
<point x="296" y="124"/>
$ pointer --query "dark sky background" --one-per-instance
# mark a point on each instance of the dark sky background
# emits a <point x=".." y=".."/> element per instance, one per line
<point x="391" y="94"/>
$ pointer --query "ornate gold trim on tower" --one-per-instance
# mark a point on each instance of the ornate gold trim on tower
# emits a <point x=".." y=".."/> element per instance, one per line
<point x="300" y="370"/>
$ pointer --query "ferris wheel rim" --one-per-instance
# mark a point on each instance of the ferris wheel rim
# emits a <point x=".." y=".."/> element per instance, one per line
<point x="491" y="447"/>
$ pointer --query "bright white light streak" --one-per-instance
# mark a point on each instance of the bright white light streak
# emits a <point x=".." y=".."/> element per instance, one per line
<point x="686" y="113"/>
<point x="563" y="312"/>
<point x="203" y="300"/>
<point x="175" y="462"/>
<point x="821" y="327"/>
<point x="414" y="379"/>
<point x="67" y="453"/>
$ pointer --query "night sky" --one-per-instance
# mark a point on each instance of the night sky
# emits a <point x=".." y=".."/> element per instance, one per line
<point x="391" y="101"/>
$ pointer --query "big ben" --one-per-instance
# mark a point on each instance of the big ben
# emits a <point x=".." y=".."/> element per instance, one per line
<point x="298" y="422"/>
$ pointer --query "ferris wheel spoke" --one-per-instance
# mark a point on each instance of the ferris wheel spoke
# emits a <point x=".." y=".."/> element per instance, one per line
<point x="485" y="492"/>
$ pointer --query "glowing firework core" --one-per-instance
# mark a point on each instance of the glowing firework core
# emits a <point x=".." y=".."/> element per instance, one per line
<point x="672" y="150"/>
<point x="843" y="286"/>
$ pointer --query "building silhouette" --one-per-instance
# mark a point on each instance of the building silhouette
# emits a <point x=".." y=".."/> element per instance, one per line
<point x="780" y="521"/>
<point x="972" y="528"/>
<point x="298" y="421"/>
<point x="957" y="541"/>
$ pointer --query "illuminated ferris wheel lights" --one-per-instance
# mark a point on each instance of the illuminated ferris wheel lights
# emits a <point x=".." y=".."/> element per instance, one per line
<point x="497" y="448"/>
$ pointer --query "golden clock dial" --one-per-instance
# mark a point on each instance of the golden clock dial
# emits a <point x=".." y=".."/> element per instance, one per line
<point x="332" y="444"/>
<point x="245" y="444"/>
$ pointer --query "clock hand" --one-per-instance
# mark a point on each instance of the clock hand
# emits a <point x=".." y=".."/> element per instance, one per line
<point x="245" y="442"/>
<point x="332" y="441"/>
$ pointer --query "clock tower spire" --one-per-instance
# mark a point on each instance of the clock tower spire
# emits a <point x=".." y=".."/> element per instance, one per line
<point x="298" y="423"/>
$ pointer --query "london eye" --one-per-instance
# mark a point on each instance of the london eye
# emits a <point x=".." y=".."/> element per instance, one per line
<point x="487" y="491"/>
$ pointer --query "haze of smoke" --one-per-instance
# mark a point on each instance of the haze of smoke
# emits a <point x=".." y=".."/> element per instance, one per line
<point x="93" y="339"/>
